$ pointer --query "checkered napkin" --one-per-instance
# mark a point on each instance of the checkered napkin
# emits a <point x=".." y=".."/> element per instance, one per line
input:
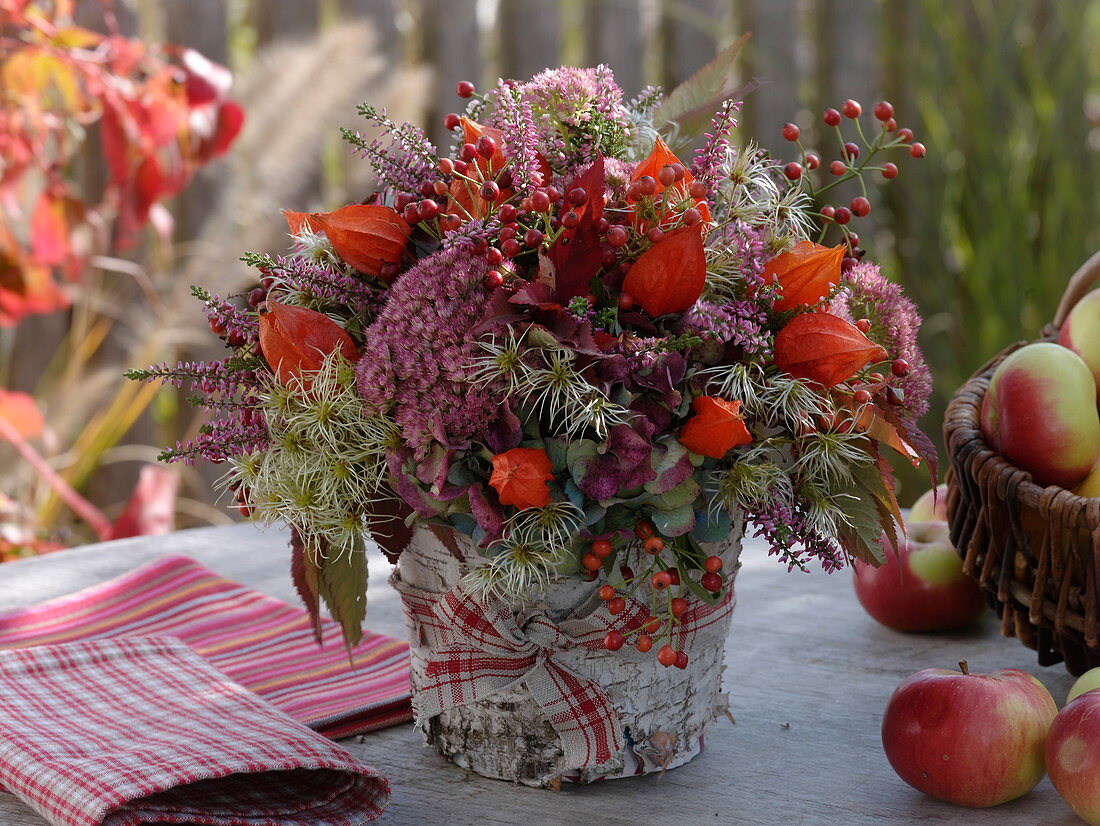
<point x="141" y="730"/>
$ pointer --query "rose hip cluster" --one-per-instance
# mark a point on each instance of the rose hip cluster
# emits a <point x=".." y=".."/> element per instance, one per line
<point x="848" y="166"/>
<point x="478" y="184"/>
<point x="660" y="580"/>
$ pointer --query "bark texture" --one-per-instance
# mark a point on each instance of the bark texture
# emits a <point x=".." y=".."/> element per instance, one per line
<point x="663" y="711"/>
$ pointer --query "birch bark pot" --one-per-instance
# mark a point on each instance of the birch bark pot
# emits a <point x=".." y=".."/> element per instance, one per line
<point x="663" y="712"/>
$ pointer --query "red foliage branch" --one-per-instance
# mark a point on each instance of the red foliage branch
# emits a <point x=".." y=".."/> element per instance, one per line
<point x="161" y="112"/>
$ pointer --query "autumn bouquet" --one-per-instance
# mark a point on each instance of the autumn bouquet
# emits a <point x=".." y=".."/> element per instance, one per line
<point x="556" y="370"/>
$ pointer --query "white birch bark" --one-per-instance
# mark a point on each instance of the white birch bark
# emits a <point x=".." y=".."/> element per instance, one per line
<point x="664" y="711"/>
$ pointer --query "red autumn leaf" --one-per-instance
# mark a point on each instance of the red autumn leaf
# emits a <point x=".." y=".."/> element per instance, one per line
<point x="20" y="411"/>
<point x="715" y="428"/>
<point x="823" y="348"/>
<point x="295" y="340"/>
<point x="471" y="131"/>
<point x="806" y="274"/>
<point x="660" y="157"/>
<point x="25" y="287"/>
<point x="669" y="276"/>
<point x="228" y="126"/>
<point x="365" y="236"/>
<point x="520" y="477"/>
<point x="576" y="254"/>
<point x="50" y="230"/>
<point x="151" y="508"/>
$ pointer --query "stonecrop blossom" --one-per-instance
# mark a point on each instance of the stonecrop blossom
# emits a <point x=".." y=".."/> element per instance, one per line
<point x="895" y="321"/>
<point x="415" y="357"/>
<point x="563" y="343"/>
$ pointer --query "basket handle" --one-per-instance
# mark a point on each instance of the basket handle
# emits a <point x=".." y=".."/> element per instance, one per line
<point x="1082" y="281"/>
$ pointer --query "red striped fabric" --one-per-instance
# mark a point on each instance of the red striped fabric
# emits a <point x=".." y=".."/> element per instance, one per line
<point x="260" y="642"/>
<point x="121" y="732"/>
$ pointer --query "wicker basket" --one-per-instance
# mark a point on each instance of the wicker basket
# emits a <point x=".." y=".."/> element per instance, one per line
<point x="1035" y="551"/>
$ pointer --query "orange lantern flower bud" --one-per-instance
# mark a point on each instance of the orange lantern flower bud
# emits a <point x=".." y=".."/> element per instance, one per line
<point x="520" y="477"/>
<point x="806" y="274"/>
<point x="366" y="236"/>
<point x="669" y="276"/>
<point x="715" y="428"/>
<point x="296" y="341"/>
<point x="823" y="348"/>
<point x="651" y="167"/>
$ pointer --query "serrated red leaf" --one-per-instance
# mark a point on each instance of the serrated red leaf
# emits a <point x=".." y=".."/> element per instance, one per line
<point x="806" y="273"/>
<point x="823" y="348"/>
<point x="576" y="253"/>
<point x="669" y="276"/>
<point x="295" y="341"/>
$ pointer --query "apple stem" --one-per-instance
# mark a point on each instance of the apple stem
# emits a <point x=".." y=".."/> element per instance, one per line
<point x="964" y="666"/>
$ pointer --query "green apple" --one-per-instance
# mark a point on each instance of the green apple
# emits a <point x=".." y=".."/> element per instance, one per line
<point x="931" y="506"/>
<point x="1086" y="682"/>
<point x="922" y="587"/>
<point x="1081" y="332"/>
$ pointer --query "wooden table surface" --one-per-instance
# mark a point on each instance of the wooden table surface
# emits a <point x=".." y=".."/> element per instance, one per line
<point x="808" y="675"/>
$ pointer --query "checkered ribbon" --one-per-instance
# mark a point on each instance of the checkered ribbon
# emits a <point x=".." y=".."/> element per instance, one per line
<point x="478" y="649"/>
<point x="141" y="730"/>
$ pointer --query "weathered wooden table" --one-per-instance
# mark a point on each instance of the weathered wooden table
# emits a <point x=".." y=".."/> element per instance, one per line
<point x="808" y="675"/>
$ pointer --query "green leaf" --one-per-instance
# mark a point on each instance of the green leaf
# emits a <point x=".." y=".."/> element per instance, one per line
<point x="676" y="521"/>
<point x="711" y="527"/>
<point x="691" y="105"/>
<point x="343" y="586"/>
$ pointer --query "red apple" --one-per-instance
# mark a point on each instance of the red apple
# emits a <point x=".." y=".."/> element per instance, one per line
<point x="1040" y="414"/>
<point x="922" y="587"/>
<point x="1073" y="755"/>
<point x="1081" y="332"/>
<point x="931" y="506"/>
<point x="971" y="739"/>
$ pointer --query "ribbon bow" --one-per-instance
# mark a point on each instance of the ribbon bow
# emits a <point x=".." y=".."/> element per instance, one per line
<point x="479" y="648"/>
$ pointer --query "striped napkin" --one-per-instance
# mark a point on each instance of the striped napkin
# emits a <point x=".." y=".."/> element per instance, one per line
<point x="141" y="730"/>
<point x="258" y="641"/>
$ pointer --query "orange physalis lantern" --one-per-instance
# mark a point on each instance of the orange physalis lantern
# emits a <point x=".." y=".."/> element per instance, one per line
<point x="296" y="341"/>
<point x="669" y="276"/>
<point x="366" y="236"/>
<point x="715" y="427"/>
<point x="806" y="274"/>
<point x="824" y="348"/>
<point x="520" y="477"/>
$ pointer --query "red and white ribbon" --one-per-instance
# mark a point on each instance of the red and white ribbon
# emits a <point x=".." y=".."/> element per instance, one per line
<point x="477" y="649"/>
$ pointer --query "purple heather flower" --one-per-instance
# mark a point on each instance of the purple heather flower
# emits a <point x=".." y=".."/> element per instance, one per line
<point x="416" y="355"/>
<point x="237" y="323"/>
<point x="512" y="115"/>
<point x="789" y="537"/>
<point x="404" y="160"/>
<point x="895" y="324"/>
<point x="329" y="284"/>
<point x="742" y="323"/>
<point x="223" y="439"/>
<point x="747" y="245"/>
<point x="207" y="376"/>
<point x="709" y="164"/>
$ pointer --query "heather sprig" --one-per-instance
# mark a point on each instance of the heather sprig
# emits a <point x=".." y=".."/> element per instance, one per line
<point x="402" y="162"/>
